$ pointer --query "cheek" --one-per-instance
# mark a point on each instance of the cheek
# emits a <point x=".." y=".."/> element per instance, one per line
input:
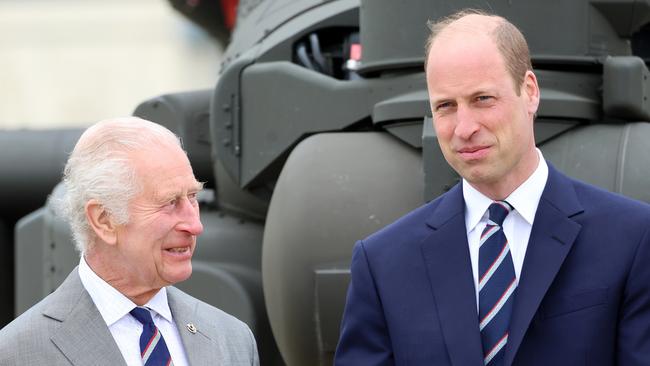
<point x="503" y="124"/>
<point x="444" y="130"/>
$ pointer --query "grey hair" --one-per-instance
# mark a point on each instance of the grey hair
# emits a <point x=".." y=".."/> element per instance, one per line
<point x="100" y="167"/>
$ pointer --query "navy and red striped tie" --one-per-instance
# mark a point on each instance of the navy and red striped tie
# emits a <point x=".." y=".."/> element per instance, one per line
<point x="153" y="348"/>
<point x="497" y="285"/>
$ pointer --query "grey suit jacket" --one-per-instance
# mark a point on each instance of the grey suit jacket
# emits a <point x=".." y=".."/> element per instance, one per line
<point x="66" y="328"/>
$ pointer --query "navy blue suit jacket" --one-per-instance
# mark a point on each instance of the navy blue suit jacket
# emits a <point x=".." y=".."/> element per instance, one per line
<point x="583" y="295"/>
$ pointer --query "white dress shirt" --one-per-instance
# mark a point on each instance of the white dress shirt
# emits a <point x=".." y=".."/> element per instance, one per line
<point x="115" y="307"/>
<point x="517" y="224"/>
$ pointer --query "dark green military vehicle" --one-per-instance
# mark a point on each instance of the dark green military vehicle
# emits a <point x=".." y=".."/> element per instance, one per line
<point x="318" y="133"/>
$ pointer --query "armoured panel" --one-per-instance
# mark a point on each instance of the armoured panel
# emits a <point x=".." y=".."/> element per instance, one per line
<point x="626" y="88"/>
<point x="29" y="258"/>
<point x="310" y="103"/>
<point x="272" y="28"/>
<point x="580" y="31"/>
<point x="439" y="177"/>
<point x="613" y="157"/>
<point x="279" y="44"/>
<point x="334" y="189"/>
<point x="32" y="164"/>
<point x="6" y="274"/>
<point x="258" y="21"/>
<point x="59" y="253"/>
<point x="231" y="198"/>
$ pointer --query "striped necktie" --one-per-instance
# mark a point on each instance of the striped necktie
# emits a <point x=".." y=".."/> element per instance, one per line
<point x="153" y="348"/>
<point x="497" y="285"/>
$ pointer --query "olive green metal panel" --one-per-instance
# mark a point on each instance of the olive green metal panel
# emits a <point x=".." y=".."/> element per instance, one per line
<point x="334" y="189"/>
<point x="44" y="254"/>
<point x="231" y="198"/>
<point x="614" y="157"/>
<point x="439" y="177"/>
<point x="267" y="34"/>
<point x="581" y="31"/>
<point x="29" y="258"/>
<point x="31" y="162"/>
<point x="6" y="275"/>
<point x="626" y="88"/>
<point x="310" y="102"/>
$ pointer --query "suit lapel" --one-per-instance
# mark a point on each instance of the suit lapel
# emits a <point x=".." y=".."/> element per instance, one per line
<point x="446" y="255"/>
<point x="551" y="238"/>
<point x="194" y="329"/>
<point x="83" y="336"/>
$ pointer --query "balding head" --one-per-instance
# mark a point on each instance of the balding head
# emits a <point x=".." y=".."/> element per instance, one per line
<point x="474" y="23"/>
<point x="101" y="168"/>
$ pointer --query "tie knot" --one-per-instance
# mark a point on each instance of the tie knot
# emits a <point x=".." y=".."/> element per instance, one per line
<point x="498" y="211"/>
<point x="142" y="314"/>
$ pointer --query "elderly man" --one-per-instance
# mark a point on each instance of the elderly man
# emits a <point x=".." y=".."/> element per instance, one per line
<point x="131" y="203"/>
<point x="516" y="265"/>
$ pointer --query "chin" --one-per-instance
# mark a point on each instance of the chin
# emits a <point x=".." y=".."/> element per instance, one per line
<point x="179" y="275"/>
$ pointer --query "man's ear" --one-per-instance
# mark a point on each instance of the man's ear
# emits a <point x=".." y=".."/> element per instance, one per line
<point x="101" y="222"/>
<point x="531" y="89"/>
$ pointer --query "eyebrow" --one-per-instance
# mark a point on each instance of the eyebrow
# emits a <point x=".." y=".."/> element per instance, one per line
<point x="474" y="94"/>
<point x="435" y="102"/>
<point x="197" y="187"/>
<point x="482" y="92"/>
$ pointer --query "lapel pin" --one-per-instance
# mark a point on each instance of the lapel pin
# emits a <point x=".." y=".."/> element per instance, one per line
<point x="191" y="328"/>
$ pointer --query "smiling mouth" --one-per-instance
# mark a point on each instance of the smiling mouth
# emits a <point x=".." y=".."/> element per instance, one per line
<point x="178" y="250"/>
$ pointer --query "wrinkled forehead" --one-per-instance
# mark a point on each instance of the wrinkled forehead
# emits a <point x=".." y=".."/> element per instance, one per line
<point x="164" y="171"/>
<point x="158" y="159"/>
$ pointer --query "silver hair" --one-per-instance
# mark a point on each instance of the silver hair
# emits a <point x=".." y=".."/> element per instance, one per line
<point x="100" y="167"/>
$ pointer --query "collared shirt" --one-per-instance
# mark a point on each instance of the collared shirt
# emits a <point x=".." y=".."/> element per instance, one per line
<point x="516" y="226"/>
<point x="114" y="308"/>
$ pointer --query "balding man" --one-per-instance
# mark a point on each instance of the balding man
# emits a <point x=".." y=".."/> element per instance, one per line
<point x="131" y="203"/>
<point x="516" y="265"/>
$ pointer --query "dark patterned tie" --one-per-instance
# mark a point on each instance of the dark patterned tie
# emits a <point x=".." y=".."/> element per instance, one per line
<point x="497" y="285"/>
<point x="153" y="349"/>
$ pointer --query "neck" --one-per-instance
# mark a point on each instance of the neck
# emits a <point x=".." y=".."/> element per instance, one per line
<point x="110" y="274"/>
<point x="502" y="188"/>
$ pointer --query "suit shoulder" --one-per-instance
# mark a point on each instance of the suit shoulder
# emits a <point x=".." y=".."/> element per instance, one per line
<point x="214" y="315"/>
<point x="600" y="201"/>
<point x="232" y="335"/>
<point x="410" y="228"/>
<point x="26" y="329"/>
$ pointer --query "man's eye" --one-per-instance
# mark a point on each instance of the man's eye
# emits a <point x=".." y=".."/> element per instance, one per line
<point x="484" y="98"/>
<point x="443" y="106"/>
<point x="192" y="196"/>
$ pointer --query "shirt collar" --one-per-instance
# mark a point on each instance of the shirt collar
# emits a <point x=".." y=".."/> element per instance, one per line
<point x="159" y="304"/>
<point x="112" y="304"/>
<point x="524" y="199"/>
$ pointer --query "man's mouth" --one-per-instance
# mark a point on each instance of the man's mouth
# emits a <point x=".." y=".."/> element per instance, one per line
<point x="178" y="250"/>
<point x="473" y="152"/>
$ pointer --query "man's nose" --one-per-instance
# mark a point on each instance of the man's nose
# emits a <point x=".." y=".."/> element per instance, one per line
<point x="466" y="122"/>
<point x="190" y="218"/>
